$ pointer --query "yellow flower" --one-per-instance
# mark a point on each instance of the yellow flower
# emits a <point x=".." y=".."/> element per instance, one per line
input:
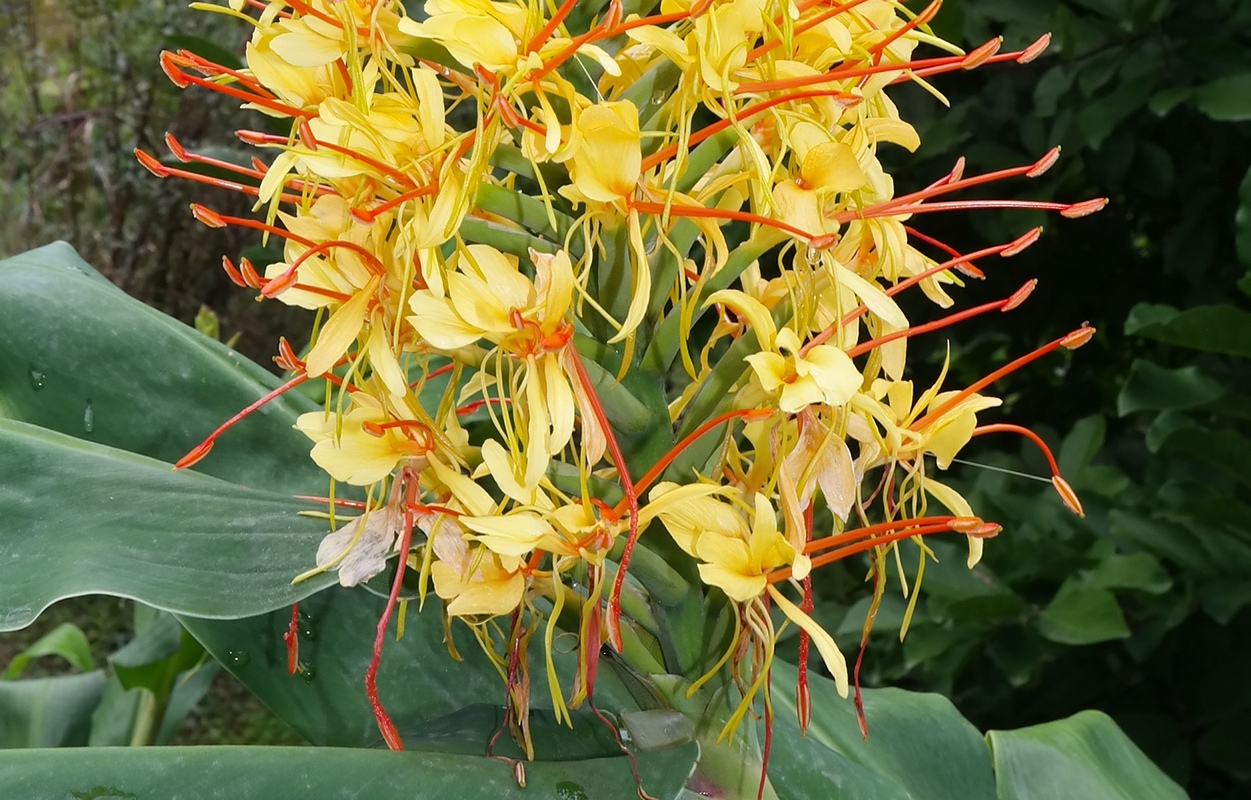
<point x="482" y="583"/>
<point x="364" y="445"/>
<point x="738" y="559"/>
<point x="606" y="156"/>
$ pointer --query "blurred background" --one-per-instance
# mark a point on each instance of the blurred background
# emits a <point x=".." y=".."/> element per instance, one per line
<point x="1142" y="609"/>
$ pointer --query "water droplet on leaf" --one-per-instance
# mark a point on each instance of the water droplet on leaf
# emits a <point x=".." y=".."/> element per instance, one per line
<point x="36" y="379"/>
<point x="237" y="658"/>
<point x="89" y="418"/>
<point x="568" y="790"/>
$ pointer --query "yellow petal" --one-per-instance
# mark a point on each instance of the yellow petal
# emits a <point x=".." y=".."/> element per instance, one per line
<point x="736" y="586"/>
<point x="753" y="310"/>
<point x="832" y="166"/>
<point x="340" y="331"/>
<point x="833" y="371"/>
<point x="833" y="657"/>
<point x="608" y="162"/>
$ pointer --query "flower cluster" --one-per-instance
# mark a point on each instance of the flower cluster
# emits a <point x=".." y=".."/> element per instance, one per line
<point x="579" y="273"/>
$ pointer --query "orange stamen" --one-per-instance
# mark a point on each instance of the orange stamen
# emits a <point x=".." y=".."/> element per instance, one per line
<point x="657" y="469"/>
<point x="1079" y="337"/>
<point x="201" y="450"/>
<point x="627" y="486"/>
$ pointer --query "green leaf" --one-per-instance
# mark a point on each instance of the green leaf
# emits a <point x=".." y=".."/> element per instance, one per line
<point x="919" y="745"/>
<point x="1084" y="756"/>
<point x="1140" y="571"/>
<point x="1242" y="229"/>
<point x="1213" y="329"/>
<point x="65" y="640"/>
<point x="1226" y="99"/>
<point x="48" y="712"/>
<point x="300" y="773"/>
<point x="155" y="657"/>
<point x="1081" y="445"/>
<point x="87" y="519"/>
<point x="82" y="358"/>
<point x="1224" y="450"/>
<point x="417" y="679"/>
<point x="1082" y="614"/>
<point x="203" y="47"/>
<point x="1152" y="387"/>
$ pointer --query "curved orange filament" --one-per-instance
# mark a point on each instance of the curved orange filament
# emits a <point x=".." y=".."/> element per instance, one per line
<point x="201" y="450"/>
<point x="170" y="63"/>
<point x="282" y="280"/>
<point x="676" y="210"/>
<point x="889" y="210"/>
<point x="389" y="732"/>
<point x="314" y="144"/>
<point x="923" y="18"/>
<point x="950" y="319"/>
<point x="801" y="28"/>
<point x="151" y="164"/>
<point x="984" y="531"/>
<point x="981" y="430"/>
<point x="547" y="30"/>
<point x="212" y="68"/>
<point x="668" y="152"/>
<point x="627" y="487"/>
<point x="862" y="309"/>
<point x="839" y="539"/>
<point x="214" y="220"/>
<point x="657" y="469"/>
<point x="949" y="183"/>
<point x="1069" y="340"/>
<point x="367" y="215"/>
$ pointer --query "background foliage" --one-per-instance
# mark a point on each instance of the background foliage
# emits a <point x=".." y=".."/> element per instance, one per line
<point x="1140" y="609"/>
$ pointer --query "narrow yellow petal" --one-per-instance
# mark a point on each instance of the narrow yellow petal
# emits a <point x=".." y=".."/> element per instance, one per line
<point x="340" y="331"/>
<point x="833" y="657"/>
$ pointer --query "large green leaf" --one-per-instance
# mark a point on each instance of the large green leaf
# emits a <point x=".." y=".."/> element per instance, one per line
<point x="1082" y="614"/>
<point x="1152" y="387"/>
<point x="1215" y="329"/>
<point x="300" y="773"/>
<point x="1084" y="756"/>
<point x="65" y="640"/>
<point x="80" y="357"/>
<point x="919" y="745"/>
<point x="417" y="679"/>
<point x="78" y="518"/>
<point x="1226" y="99"/>
<point x="48" y="712"/>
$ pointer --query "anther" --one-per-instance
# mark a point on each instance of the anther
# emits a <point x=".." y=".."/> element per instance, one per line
<point x="1084" y="208"/>
<point x="170" y="68"/>
<point x="197" y="453"/>
<point x="957" y="171"/>
<point x="235" y="277"/>
<point x="251" y="277"/>
<point x="176" y="148"/>
<point x="208" y="217"/>
<point x="978" y="56"/>
<point x="823" y="242"/>
<point x="1078" y="337"/>
<point x="1067" y="495"/>
<point x="966" y="524"/>
<point x="1020" y="295"/>
<point x="1022" y="243"/>
<point x="1045" y="163"/>
<point x="277" y="286"/>
<point x="151" y="164"/>
<point x="1034" y="50"/>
